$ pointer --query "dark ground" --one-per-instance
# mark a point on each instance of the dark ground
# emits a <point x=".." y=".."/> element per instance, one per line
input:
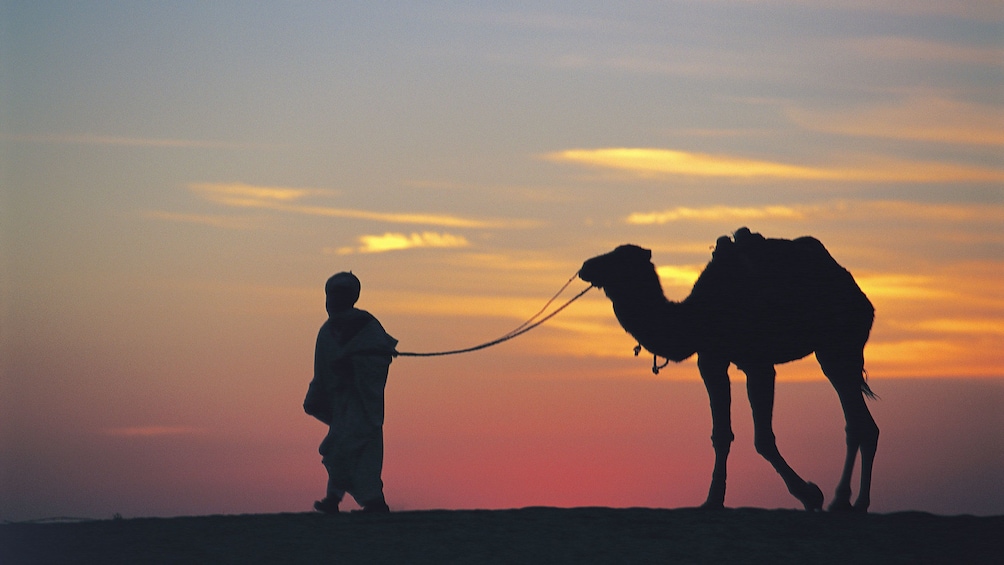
<point x="529" y="535"/>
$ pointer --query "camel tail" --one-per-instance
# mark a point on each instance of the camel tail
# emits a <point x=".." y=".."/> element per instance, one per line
<point x="867" y="390"/>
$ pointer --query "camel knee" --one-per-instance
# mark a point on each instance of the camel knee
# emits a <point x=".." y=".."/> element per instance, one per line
<point x="864" y="435"/>
<point x="869" y="441"/>
<point x="722" y="441"/>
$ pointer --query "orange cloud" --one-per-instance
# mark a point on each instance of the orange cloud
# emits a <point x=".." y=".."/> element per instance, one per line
<point x="979" y="326"/>
<point x="238" y="193"/>
<point x="912" y="287"/>
<point x="880" y="209"/>
<point x="716" y="213"/>
<point x="654" y="162"/>
<point x="942" y="322"/>
<point x="282" y="199"/>
<point x="399" y="241"/>
<point x="651" y="161"/>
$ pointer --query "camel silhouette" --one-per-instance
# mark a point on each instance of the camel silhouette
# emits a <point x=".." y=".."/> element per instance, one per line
<point x="759" y="302"/>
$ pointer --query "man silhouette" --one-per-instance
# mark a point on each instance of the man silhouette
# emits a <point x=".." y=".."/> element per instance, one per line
<point x="351" y="359"/>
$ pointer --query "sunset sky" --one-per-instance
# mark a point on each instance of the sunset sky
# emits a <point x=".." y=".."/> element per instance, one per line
<point x="180" y="178"/>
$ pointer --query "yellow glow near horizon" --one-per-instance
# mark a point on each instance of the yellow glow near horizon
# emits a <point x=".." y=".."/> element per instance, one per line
<point x="914" y="287"/>
<point x="679" y="275"/>
<point x="477" y="306"/>
<point x="978" y="326"/>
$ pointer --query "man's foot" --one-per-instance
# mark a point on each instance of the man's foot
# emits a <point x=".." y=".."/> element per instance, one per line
<point x="326" y="505"/>
<point x="378" y="506"/>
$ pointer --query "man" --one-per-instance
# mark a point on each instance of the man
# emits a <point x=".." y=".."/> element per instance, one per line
<point x="351" y="359"/>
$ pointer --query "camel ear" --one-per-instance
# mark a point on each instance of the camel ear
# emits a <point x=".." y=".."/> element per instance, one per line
<point x="642" y="254"/>
<point x="636" y="253"/>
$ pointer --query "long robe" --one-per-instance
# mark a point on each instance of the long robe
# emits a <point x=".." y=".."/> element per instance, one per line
<point x="351" y="360"/>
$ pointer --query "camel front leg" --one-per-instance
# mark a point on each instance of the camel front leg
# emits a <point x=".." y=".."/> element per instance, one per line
<point x="715" y="373"/>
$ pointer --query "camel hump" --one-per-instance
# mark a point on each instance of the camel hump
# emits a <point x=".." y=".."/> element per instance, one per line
<point x="741" y="240"/>
<point x="809" y="242"/>
<point x="744" y="236"/>
<point x="748" y="255"/>
<point x="749" y="243"/>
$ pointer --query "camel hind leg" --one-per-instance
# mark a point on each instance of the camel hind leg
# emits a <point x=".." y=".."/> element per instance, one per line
<point x="844" y="370"/>
<point x="760" y="389"/>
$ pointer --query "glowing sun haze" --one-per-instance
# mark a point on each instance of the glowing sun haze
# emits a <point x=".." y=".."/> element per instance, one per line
<point x="179" y="180"/>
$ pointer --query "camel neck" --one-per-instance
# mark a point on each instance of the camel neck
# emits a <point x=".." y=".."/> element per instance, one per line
<point x="658" y="324"/>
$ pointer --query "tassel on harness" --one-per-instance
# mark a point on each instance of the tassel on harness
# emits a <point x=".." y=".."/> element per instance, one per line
<point x="656" y="367"/>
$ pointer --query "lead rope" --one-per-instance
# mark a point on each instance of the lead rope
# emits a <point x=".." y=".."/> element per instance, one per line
<point x="520" y="330"/>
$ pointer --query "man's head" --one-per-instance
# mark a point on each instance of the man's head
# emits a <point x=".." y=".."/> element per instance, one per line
<point x="341" y="291"/>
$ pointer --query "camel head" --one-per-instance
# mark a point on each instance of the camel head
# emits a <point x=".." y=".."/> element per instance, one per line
<point x="622" y="266"/>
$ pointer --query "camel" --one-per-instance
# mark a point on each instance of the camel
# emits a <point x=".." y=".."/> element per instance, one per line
<point x="758" y="303"/>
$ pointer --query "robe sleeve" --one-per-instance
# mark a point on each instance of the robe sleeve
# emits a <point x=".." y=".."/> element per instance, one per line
<point x="317" y="403"/>
<point x="371" y="352"/>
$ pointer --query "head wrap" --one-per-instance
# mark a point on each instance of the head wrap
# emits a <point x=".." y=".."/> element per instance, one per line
<point x="342" y="290"/>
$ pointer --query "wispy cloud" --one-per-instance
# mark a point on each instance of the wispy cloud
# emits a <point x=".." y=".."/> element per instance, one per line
<point x="919" y="357"/>
<point x="225" y="222"/>
<point x="399" y="241"/>
<point x="919" y="118"/>
<point x="903" y="287"/>
<point x="716" y="213"/>
<point x="655" y="162"/>
<point x="957" y="213"/>
<point x="880" y="209"/>
<point x="240" y="194"/>
<point x="285" y="199"/>
<point x="909" y="48"/>
<point x="975" y="326"/>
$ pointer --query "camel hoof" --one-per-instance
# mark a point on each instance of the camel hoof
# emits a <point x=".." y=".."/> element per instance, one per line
<point x="840" y="506"/>
<point x="812" y="497"/>
<point x="713" y="505"/>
